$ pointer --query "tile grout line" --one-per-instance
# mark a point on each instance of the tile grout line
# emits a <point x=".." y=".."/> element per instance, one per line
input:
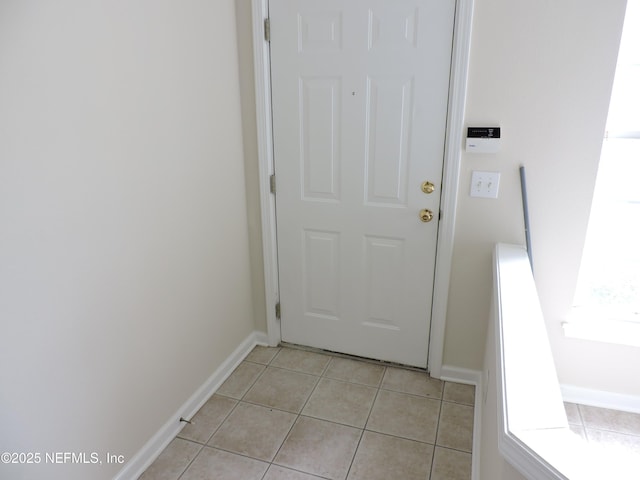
<point x="290" y="428"/>
<point x="354" y="454"/>
<point x="191" y="462"/>
<point x="617" y="432"/>
<point x="435" y="441"/>
<point x="266" y="472"/>
<point x="238" y="401"/>
<point x="298" y="415"/>
<point x="205" y="444"/>
<point x="584" y="427"/>
<point x="364" y="428"/>
<point x="609" y="429"/>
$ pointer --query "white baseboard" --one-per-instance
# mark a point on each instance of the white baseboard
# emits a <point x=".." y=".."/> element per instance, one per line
<point x="460" y="375"/>
<point x="599" y="398"/>
<point x="469" y="377"/>
<point x="150" y="451"/>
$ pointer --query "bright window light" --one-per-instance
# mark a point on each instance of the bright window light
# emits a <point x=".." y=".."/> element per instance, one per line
<point x="609" y="281"/>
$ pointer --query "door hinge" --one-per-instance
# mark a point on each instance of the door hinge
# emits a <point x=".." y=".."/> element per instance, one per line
<point x="278" y="310"/>
<point x="439" y="215"/>
<point x="272" y="183"/>
<point x="267" y="30"/>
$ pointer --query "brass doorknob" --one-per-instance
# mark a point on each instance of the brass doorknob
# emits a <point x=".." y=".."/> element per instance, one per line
<point x="428" y="187"/>
<point x="426" y="215"/>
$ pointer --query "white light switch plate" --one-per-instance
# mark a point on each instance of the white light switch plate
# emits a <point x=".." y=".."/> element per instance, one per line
<point x="485" y="184"/>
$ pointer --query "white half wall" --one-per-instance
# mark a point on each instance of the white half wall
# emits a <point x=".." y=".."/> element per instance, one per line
<point x="493" y="465"/>
<point x="124" y="258"/>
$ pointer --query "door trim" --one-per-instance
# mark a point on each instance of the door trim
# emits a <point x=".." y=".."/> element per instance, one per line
<point x="451" y="173"/>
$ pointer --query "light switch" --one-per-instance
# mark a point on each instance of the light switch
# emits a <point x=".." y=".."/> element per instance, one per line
<point x="485" y="184"/>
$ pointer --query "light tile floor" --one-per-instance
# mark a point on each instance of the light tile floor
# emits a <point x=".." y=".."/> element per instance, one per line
<point x="615" y="434"/>
<point x="288" y="414"/>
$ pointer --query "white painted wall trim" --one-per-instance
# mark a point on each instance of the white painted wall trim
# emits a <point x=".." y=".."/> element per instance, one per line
<point x="451" y="173"/>
<point x="152" y="449"/>
<point x="461" y="375"/>
<point x="600" y="398"/>
<point x="266" y="166"/>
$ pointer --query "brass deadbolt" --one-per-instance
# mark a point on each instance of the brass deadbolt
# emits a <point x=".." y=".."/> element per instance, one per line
<point x="426" y="215"/>
<point x="428" y="187"/>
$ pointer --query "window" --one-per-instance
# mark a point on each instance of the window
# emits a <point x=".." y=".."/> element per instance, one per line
<point x="609" y="281"/>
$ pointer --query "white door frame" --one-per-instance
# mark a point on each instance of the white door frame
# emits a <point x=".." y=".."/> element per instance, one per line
<point x="451" y="173"/>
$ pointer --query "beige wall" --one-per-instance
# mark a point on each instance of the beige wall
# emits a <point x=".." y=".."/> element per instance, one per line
<point x="124" y="265"/>
<point x="543" y="72"/>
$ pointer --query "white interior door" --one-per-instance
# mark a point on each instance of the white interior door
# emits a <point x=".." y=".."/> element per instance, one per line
<point x="359" y="98"/>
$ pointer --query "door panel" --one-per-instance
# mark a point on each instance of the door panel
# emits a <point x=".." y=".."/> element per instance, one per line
<point x="320" y="128"/>
<point x="384" y="261"/>
<point x="320" y="273"/>
<point x="388" y="136"/>
<point x="359" y="98"/>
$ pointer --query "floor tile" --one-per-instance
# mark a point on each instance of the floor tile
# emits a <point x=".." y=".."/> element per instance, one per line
<point x="240" y="380"/>
<point x="605" y="419"/>
<point x="262" y="355"/>
<point x="340" y="402"/>
<point x="355" y="371"/>
<point x="459" y="393"/>
<point x="409" y="381"/>
<point x="618" y="451"/>
<point x="254" y="431"/>
<point x="215" y="464"/>
<point x="282" y="389"/>
<point x="451" y="465"/>
<point x="320" y="448"/>
<point x="573" y="415"/>
<point x="301" y="361"/>
<point x="578" y="431"/>
<point x="276" y="472"/>
<point x="405" y="416"/>
<point x="172" y="461"/>
<point x="381" y="457"/>
<point x="456" y="427"/>
<point x="616" y="442"/>
<point x="208" y="419"/>
<point x="305" y="411"/>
